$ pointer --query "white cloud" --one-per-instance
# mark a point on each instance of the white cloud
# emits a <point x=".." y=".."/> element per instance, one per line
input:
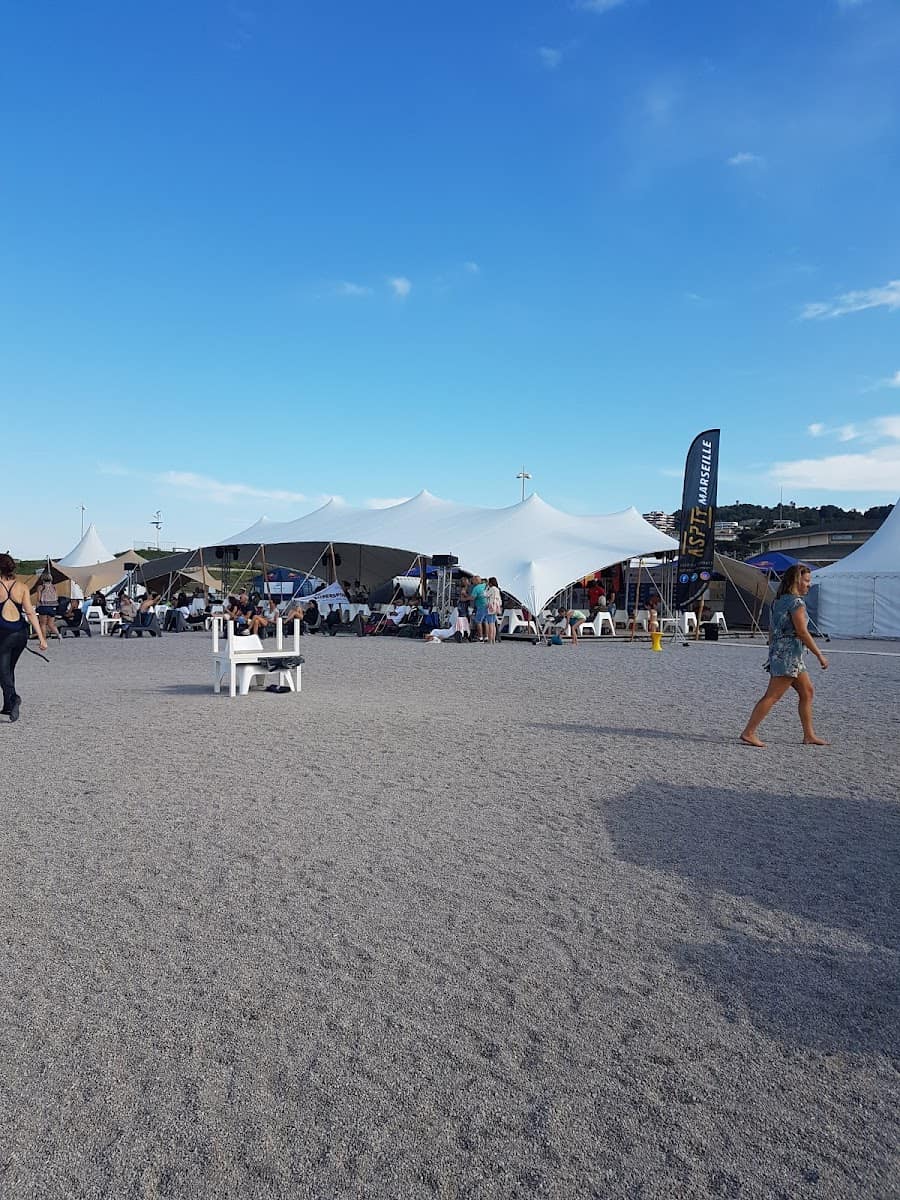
<point x="346" y="288"/>
<point x="893" y="381"/>
<point x="400" y="286"/>
<point x="550" y="57"/>
<point x="225" y="493"/>
<point x="878" y="297"/>
<point x="385" y="501"/>
<point x="598" y="6"/>
<point x="745" y="159"/>
<point x="472" y="268"/>
<point x="874" y="470"/>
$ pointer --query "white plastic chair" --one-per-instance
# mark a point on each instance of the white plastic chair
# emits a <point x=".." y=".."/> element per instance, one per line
<point x="96" y="616"/>
<point x="688" y="622"/>
<point x="513" y="619"/>
<point x="241" y="658"/>
<point x="593" y="628"/>
<point x="719" y="619"/>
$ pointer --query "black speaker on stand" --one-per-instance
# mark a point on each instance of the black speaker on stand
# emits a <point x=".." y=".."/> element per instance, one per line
<point x="227" y="555"/>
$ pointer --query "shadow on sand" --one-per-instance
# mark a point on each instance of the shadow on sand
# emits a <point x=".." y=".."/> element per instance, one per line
<point x="827" y="860"/>
<point x="190" y="689"/>
<point x="623" y="731"/>
<point x="825" y="1000"/>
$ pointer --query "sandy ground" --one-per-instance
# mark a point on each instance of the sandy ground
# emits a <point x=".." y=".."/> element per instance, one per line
<point x="455" y="922"/>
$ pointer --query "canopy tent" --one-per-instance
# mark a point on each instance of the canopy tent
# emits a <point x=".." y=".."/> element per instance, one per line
<point x="102" y="575"/>
<point x="151" y="576"/>
<point x="534" y="549"/>
<point x="774" y="561"/>
<point x="859" y="596"/>
<point x="89" y="551"/>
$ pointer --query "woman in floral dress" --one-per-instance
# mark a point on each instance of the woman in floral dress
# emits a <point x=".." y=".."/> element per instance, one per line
<point x="787" y="638"/>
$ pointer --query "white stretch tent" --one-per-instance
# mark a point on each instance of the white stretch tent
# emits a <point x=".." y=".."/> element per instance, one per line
<point x="534" y="550"/>
<point x="89" y="551"/>
<point x="859" y="596"/>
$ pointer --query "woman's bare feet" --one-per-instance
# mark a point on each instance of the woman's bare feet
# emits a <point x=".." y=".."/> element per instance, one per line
<point x="815" y="741"/>
<point x="750" y="739"/>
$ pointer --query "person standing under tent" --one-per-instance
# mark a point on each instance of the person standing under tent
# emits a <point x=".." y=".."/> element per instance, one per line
<point x="788" y="636"/>
<point x="653" y="613"/>
<point x="16" y="613"/>
<point x="462" y="613"/>
<point x="494" y="600"/>
<point x="477" y="593"/>
<point x="47" y="605"/>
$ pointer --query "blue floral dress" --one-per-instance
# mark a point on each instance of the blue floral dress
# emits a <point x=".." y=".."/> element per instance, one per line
<point x="785" y="648"/>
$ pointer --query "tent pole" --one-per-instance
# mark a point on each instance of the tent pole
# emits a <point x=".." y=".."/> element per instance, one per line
<point x="203" y="579"/>
<point x="266" y="590"/>
<point x="637" y="593"/>
<point x="333" y="563"/>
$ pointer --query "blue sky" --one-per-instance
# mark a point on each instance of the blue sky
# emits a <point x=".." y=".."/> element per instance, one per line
<point x="254" y="254"/>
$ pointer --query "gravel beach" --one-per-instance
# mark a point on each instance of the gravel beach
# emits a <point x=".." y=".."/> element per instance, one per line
<point x="456" y="921"/>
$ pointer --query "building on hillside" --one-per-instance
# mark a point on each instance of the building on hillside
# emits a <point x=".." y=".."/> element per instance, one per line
<point x="665" y="522"/>
<point x="727" y="531"/>
<point x="817" y="545"/>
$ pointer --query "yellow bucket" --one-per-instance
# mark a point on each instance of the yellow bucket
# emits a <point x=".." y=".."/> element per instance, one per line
<point x="656" y="641"/>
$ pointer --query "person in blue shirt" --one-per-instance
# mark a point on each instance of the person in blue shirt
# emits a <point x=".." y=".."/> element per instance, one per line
<point x="479" y="599"/>
<point x="788" y="636"/>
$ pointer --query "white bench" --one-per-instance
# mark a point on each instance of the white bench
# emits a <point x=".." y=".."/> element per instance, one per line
<point x="245" y="658"/>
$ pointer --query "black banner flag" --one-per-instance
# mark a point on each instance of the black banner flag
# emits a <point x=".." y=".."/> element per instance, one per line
<point x="697" y="542"/>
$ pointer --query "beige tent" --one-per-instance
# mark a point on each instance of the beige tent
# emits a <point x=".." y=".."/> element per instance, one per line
<point x="89" y="579"/>
<point x="749" y="579"/>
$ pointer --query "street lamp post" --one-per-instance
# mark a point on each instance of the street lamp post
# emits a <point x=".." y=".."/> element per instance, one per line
<point x="523" y="475"/>
<point x="81" y="506"/>
<point x="157" y="521"/>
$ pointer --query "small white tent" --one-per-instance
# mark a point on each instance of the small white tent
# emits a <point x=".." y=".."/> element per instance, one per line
<point x="89" y="551"/>
<point x="534" y="550"/>
<point x="859" y="596"/>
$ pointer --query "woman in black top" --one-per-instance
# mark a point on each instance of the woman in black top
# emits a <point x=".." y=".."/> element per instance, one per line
<point x="16" y="613"/>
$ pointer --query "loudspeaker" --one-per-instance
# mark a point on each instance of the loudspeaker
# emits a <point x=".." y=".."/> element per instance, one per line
<point x="444" y="560"/>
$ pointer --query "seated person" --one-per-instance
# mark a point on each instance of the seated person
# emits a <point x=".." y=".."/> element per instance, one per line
<point x="98" y="600"/>
<point x="177" y="616"/>
<point x="413" y="617"/>
<point x="312" y="617"/>
<point x="263" y="620"/>
<point x="333" y="620"/>
<point x="146" y="608"/>
<point x="198" y="604"/>
<point x="127" y="610"/>
<point x="239" y="609"/>
<point x="295" y="612"/>
<point x="72" y="615"/>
